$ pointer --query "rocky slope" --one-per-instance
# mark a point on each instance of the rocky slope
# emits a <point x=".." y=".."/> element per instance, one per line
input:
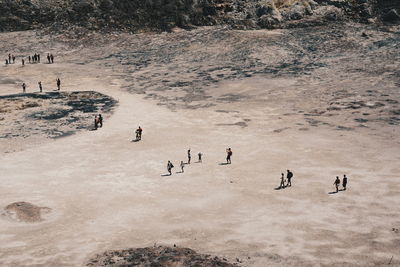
<point x="141" y="15"/>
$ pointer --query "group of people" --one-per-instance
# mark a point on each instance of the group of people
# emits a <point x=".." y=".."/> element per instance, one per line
<point x="337" y="183"/>
<point x="98" y="121"/>
<point x="34" y="59"/>
<point x="31" y="59"/>
<point x="288" y="181"/>
<point x="10" y="60"/>
<point x="50" y="58"/>
<point x="182" y="164"/>
<point x="58" y="83"/>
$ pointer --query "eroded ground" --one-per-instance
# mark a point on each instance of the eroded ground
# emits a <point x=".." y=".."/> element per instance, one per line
<point x="319" y="101"/>
<point x="34" y="117"/>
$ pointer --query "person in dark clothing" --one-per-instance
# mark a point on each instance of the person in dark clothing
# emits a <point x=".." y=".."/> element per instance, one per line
<point x="189" y="156"/>
<point x="289" y="177"/>
<point x="96" y="122"/>
<point x="23" y="62"/>
<point x="100" y="120"/>
<point x="344" y="182"/>
<point x="23" y="88"/>
<point x="200" y="156"/>
<point x="34" y="58"/>
<point x="38" y="58"/>
<point x="169" y="167"/>
<point x="9" y="58"/>
<point x="140" y="130"/>
<point x="29" y="58"/>
<point x="6" y="61"/>
<point x="48" y="58"/>
<point x="51" y="58"/>
<point x="40" y="86"/>
<point x="228" y="156"/>
<point x="337" y="183"/>
<point x="13" y="58"/>
<point x="58" y="84"/>
<point x="282" y="185"/>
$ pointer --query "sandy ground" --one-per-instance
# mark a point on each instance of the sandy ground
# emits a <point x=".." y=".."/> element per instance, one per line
<point x="107" y="192"/>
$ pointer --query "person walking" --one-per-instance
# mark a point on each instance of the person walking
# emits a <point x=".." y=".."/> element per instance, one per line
<point x="96" y="121"/>
<point x="189" y="156"/>
<point x="228" y="156"/>
<point x="23" y="62"/>
<point x="337" y="183"/>
<point x="182" y="166"/>
<point x="6" y="61"/>
<point x="23" y="87"/>
<point x="13" y="58"/>
<point x="289" y="177"/>
<point x="40" y="86"/>
<point x="51" y="58"/>
<point x="344" y="182"/>
<point x="58" y="84"/>
<point x="100" y="120"/>
<point x="169" y="167"/>
<point x="200" y="156"/>
<point x="48" y="58"/>
<point x="29" y="59"/>
<point x="282" y="185"/>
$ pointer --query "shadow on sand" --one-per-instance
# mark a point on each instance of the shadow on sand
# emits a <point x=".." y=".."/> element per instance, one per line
<point x="223" y="163"/>
<point x="280" y="188"/>
<point x="167" y="174"/>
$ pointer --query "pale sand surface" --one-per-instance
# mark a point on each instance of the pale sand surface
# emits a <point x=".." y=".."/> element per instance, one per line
<point x="107" y="192"/>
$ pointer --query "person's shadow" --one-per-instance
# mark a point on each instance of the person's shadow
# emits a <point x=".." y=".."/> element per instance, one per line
<point x="180" y="172"/>
<point x="333" y="192"/>
<point x="167" y="174"/>
<point x="135" y="140"/>
<point x="279" y="187"/>
<point x="223" y="163"/>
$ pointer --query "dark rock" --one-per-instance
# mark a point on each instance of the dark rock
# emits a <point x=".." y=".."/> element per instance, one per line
<point x="391" y="16"/>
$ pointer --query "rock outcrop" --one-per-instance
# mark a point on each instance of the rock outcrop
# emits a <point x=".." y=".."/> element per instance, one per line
<point x="163" y="15"/>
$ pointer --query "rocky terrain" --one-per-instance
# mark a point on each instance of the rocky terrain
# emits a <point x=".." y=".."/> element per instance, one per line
<point x="24" y="212"/>
<point x="36" y="116"/>
<point x="157" y="256"/>
<point x="162" y="15"/>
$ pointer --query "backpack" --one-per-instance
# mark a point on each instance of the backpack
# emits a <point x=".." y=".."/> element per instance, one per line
<point x="290" y="175"/>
